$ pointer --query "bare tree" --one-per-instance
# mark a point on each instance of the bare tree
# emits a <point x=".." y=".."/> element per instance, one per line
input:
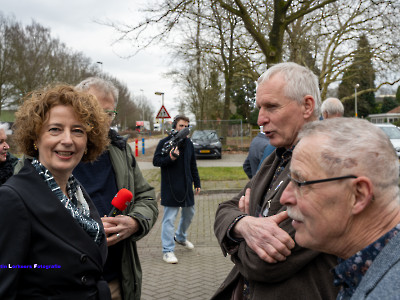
<point x="7" y="70"/>
<point x="321" y="34"/>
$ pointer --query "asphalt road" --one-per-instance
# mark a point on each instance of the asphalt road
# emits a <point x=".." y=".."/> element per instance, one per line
<point x="228" y="159"/>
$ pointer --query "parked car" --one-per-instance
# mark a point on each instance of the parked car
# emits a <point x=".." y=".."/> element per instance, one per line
<point x="393" y="133"/>
<point x="206" y="143"/>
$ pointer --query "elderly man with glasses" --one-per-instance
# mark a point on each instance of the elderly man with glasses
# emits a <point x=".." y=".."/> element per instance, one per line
<point x="115" y="169"/>
<point x="344" y="200"/>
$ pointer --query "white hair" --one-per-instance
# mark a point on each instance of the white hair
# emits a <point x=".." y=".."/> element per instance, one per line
<point x="357" y="147"/>
<point x="5" y="127"/>
<point x="333" y="107"/>
<point x="100" y="85"/>
<point x="300" y="81"/>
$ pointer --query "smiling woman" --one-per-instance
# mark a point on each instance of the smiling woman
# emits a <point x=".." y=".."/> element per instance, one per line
<point x="54" y="217"/>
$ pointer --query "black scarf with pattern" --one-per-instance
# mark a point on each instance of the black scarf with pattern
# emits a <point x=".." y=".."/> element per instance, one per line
<point x="75" y="203"/>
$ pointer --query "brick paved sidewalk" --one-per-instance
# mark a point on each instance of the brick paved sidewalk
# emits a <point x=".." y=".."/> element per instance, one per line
<point x="199" y="272"/>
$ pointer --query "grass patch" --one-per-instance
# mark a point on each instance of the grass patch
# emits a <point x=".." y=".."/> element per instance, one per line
<point x="212" y="178"/>
<point x="206" y="174"/>
<point x="221" y="173"/>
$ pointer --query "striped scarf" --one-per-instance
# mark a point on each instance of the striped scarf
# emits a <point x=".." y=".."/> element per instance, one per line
<point x="75" y="203"/>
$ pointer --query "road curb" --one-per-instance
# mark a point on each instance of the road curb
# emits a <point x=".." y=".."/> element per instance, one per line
<point x="227" y="191"/>
<point x="208" y="192"/>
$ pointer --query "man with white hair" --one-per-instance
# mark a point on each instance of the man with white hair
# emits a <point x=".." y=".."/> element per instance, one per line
<point x="268" y="264"/>
<point x="332" y="108"/>
<point x="344" y="200"/>
<point x="115" y="169"/>
<point x="7" y="160"/>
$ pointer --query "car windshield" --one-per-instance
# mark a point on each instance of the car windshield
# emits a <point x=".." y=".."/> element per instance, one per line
<point x="205" y="135"/>
<point x="392" y="132"/>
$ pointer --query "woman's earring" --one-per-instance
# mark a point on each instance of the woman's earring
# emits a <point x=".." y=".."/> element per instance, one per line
<point x="85" y="151"/>
<point x="34" y="146"/>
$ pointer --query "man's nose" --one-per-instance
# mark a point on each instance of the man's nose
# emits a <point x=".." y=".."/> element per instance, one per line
<point x="288" y="196"/>
<point x="263" y="118"/>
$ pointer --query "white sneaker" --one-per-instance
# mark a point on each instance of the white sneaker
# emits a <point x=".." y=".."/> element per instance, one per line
<point x="186" y="244"/>
<point x="169" y="257"/>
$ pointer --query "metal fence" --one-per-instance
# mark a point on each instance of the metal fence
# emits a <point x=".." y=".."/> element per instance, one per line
<point x="234" y="132"/>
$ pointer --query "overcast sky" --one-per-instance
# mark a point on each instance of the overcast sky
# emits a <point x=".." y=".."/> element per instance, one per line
<point x="72" y="21"/>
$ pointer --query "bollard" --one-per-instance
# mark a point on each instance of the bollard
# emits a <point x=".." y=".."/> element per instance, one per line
<point x="143" y="146"/>
<point x="136" y="148"/>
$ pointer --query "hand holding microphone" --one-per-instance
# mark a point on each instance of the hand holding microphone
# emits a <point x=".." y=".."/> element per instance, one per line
<point x="119" y="227"/>
<point x="120" y="202"/>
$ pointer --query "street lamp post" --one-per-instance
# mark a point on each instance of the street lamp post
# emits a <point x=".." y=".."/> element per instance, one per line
<point x="355" y="99"/>
<point x="162" y="103"/>
<point x="142" y="106"/>
<point x="100" y="63"/>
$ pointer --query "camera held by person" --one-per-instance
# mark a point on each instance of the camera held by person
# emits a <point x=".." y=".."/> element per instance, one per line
<point x="175" y="141"/>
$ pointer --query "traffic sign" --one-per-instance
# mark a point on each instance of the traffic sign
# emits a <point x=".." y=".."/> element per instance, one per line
<point x="163" y="114"/>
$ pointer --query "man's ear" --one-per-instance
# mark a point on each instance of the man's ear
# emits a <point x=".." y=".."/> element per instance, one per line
<point x="309" y="106"/>
<point x="363" y="192"/>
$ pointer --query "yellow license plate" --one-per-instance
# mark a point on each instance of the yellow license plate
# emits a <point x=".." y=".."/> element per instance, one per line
<point x="204" y="151"/>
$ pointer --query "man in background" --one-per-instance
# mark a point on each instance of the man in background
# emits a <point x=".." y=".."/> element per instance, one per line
<point x="332" y="108"/>
<point x="344" y="200"/>
<point x="256" y="150"/>
<point x="178" y="175"/>
<point x="115" y="169"/>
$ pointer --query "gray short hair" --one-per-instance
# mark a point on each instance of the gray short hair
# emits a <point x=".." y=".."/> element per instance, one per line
<point x="357" y="146"/>
<point x="300" y="81"/>
<point x="100" y="85"/>
<point x="332" y="106"/>
<point x="5" y="127"/>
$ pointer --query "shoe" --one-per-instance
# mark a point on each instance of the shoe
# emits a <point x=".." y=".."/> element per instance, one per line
<point x="186" y="244"/>
<point x="169" y="257"/>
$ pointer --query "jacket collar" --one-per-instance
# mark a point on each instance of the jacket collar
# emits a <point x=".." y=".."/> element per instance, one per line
<point x="116" y="139"/>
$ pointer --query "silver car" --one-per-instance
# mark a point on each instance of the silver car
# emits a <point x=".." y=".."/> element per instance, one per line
<point x="393" y="133"/>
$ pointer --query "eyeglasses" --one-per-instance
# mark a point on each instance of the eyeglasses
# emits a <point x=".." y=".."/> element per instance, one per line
<point x="302" y="183"/>
<point x="111" y="114"/>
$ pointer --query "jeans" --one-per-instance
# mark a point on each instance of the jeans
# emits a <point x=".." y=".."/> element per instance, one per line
<point x="168" y="226"/>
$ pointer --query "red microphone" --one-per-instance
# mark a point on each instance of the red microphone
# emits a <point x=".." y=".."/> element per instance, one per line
<point x="120" y="202"/>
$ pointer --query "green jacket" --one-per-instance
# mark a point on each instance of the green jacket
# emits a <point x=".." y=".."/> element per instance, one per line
<point x="143" y="208"/>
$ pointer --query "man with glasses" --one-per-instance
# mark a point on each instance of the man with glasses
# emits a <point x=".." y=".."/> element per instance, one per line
<point x="178" y="176"/>
<point x="253" y="227"/>
<point x="115" y="169"/>
<point x="344" y="200"/>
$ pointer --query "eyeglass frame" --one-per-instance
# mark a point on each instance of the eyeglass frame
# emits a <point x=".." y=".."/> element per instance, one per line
<point x="111" y="113"/>
<point x="308" y="182"/>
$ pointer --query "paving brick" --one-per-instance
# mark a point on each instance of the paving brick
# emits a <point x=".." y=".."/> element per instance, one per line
<point x="200" y="271"/>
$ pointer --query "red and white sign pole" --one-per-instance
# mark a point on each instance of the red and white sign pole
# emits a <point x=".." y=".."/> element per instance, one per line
<point x="162" y="113"/>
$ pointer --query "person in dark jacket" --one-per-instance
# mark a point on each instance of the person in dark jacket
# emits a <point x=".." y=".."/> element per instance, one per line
<point x="253" y="227"/>
<point x="53" y="244"/>
<point x="256" y="150"/>
<point x="7" y="160"/>
<point x="115" y="169"/>
<point x="178" y="174"/>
